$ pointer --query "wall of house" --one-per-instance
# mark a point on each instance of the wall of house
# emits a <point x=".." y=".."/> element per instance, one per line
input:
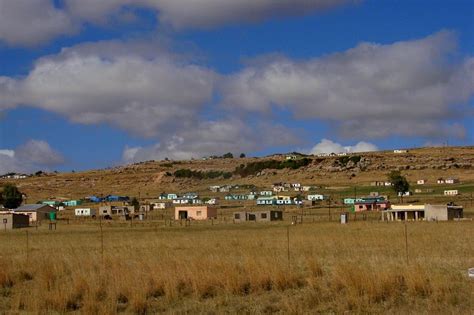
<point x="436" y="212"/>
<point x="197" y="212"/>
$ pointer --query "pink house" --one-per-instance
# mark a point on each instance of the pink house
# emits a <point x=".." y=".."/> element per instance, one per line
<point x="371" y="205"/>
<point x="195" y="212"/>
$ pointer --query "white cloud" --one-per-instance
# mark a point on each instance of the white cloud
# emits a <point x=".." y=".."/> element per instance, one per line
<point x="212" y="138"/>
<point x="123" y="84"/>
<point x="30" y="22"/>
<point x="201" y="13"/>
<point x="406" y="88"/>
<point x="29" y="157"/>
<point x="327" y="146"/>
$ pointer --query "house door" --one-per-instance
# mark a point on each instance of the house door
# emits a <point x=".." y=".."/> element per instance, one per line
<point x="252" y="217"/>
<point x="183" y="214"/>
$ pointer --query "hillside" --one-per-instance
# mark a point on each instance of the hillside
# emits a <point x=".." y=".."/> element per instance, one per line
<point x="148" y="179"/>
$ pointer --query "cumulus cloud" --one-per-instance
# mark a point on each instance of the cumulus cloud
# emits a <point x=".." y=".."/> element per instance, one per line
<point x="327" y="146"/>
<point x="212" y="138"/>
<point x="30" y="22"/>
<point x="123" y="84"/>
<point x="29" y="157"/>
<point x="406" y="88"/>
<point x="202" y="13"/>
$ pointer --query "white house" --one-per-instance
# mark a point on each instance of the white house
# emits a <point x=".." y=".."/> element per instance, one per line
<point x="265" y="200"/>
<point x="400" y="151"/>
<point x="387" y="184"/>
<point x="305" y="188"/>
<point x="451" y="180"/>
<point x="84" y="212"/>
<point x="213" y="201"/>
<point x="452" y="192"/>
<point x="421" y="181"/>
<point x="181" y="201"/>
<point x="160" y="205"/>
<point x="406" y="193"/>
<point x="279" y="188"/>
<point x="291" y="157"/>
<point x="315" y="197"/>
<point x="266" y="193"/>
<point x="441" y="181"/>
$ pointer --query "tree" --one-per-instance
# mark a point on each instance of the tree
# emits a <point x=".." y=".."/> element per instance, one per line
<point x="399" y="182"/>
<point x="11" y="196"/>
<point x="135" y="203"/>
<point x="242" y="155"/>
<point x="228" y="155"/>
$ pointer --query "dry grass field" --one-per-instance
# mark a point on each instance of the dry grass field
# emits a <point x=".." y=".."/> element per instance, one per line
<point x="322" y="267"/>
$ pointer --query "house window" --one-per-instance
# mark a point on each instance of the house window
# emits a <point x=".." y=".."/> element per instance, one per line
<point x="237" y="216"/>
<point x="198" y="213"/>
<point x="264" y="215"/>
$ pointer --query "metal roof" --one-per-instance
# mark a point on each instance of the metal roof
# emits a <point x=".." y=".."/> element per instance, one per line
<point x="31" y="207"/>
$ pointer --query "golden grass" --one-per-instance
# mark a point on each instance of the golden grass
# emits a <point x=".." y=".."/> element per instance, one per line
<point x="360" y="267"/>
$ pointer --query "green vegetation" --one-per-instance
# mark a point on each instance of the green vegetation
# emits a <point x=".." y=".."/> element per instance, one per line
<point x="343" y="160"/>
<point x="399" y="182"/>
<point x="256" y="167"/>
<point x="187" y="173"/>
<point x="135" y="203"/>
<point x="10" y="197"/>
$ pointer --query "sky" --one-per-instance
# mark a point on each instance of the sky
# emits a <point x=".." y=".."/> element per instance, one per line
<point x="87" y="84"/>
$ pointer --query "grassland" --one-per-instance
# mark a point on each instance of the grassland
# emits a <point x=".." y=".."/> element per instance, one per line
<point x="322" y="267"/>
<point x="161" y="266"/>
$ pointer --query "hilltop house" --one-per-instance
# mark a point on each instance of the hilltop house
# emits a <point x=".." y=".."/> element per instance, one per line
<point x="452" y="192"/>
<point x="451" y="180"/>
<point x="266" y="193"/>
<point x="441" y="181"/>
<point x="266" y="200"/>
<point x="236" y="197"/>
<point x="315" y="197"/>
<point x="421" y="181"/>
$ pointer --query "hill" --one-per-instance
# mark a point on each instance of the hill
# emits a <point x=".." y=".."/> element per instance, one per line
<point x="333" y="173"/>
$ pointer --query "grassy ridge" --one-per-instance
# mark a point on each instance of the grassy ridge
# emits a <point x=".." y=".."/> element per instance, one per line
<point x="360" y="267"/>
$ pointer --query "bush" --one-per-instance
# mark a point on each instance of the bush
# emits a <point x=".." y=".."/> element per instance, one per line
<point x="256" y="167"/>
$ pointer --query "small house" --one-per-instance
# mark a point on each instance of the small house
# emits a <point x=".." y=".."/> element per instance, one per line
<point x="160" y="205"/>
<point x="305" y="188"/>
<point x="451" y="180"/>
<point x="262" y="201"/>
<point x="213" y="201"/>
<point x="72" y="203"/>
<point x="181" y="201"/>
<point x="440" y="181"/>
<point x="291" y="157"/>
<point x="14" y="220"/>
<point x="398" y="151"/>
<point x="115" y="210"/>
<point x="36" y="212"/>
<point x="421" y="181"/>
<point x="315" y="197"/>
<point x="425" y="212"/>
<point x="191" y="195"/>
<point x="377" y="183"/>
<point x="84" y="212"/>
<point x="94" y="199"/>
<point x="404" y="194"/>
<point x="195" y="212"/>
<point x="451" y="192"/>
<point x="259" y="216"/>
<point x="371" y="205"/>
<point x="266" y="193"/>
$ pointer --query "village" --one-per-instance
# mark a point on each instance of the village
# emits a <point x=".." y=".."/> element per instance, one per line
<point x="290" y="201"/>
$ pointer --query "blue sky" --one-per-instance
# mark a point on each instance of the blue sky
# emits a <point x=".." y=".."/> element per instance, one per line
<point x="101" y="83"/>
